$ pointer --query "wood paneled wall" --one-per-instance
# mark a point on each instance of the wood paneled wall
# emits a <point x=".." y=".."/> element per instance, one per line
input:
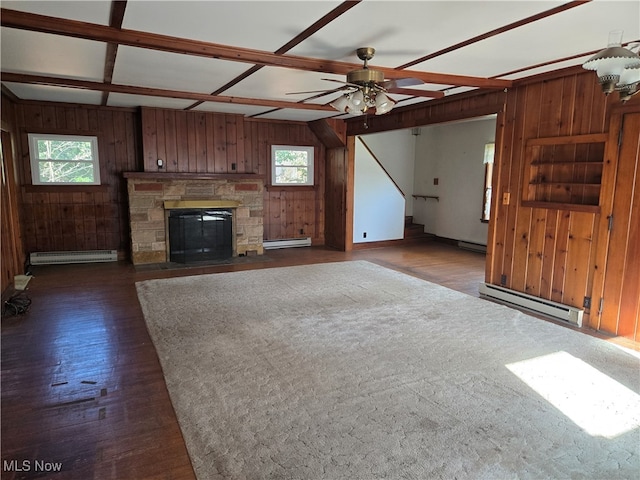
<point x="546" y="252"/>
<point x="339" y="198"/>
<point x="555" y="253"/>
<point x="204" y="142"/>
<point x="83" y="217"/>
<point x="13" y="257"/>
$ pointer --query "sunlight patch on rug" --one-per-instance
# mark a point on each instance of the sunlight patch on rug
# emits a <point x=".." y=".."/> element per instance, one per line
<point x="593" y="400"/>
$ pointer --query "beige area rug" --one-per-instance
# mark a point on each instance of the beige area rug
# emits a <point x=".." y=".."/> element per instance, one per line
<point x="354" y="371"/>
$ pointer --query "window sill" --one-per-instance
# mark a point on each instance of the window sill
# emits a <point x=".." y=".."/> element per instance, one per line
<point x="66" y="188"/>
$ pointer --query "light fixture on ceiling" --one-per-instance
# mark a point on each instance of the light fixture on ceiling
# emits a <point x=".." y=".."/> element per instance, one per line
<point x="361" y="100"/>
<point x="367" y="90"/>
<point x="617" y="67"/>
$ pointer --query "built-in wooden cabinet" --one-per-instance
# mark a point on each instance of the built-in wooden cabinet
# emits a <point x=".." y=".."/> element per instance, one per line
<point x="564" y="172"/>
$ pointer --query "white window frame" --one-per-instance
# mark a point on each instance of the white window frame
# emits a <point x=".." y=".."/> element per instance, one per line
<point x="35" y="161"/>
<point x="310" y="164"/>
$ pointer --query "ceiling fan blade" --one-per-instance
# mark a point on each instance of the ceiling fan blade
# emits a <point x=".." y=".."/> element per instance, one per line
<point x="323" y="93"/>
<point x="417" y="93"/>
<point x="309" y="91"/>
<point x="341" y="81"/>
<point x="401" y="82"/>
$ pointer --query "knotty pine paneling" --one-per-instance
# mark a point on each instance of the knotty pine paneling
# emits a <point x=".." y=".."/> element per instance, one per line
<point x="205" y="142"/>
<point x="621" y="288"/>
<point x="549" y="253"/>
<point x="82" y="217"/>
<point x="289" y="212"/>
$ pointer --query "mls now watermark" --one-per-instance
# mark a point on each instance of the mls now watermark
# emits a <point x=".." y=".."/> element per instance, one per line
<point x="30" y="466"/>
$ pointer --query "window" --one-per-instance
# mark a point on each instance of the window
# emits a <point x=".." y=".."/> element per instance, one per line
<point x="64" y="160"/>
<point x="489" y="150"/>
<point x="291" y="165"/>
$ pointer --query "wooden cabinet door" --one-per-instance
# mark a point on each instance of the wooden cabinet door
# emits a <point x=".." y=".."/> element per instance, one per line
<point x="621" y="294"/>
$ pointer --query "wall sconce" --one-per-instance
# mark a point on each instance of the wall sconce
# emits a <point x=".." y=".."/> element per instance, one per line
<point x="617" y="68"/>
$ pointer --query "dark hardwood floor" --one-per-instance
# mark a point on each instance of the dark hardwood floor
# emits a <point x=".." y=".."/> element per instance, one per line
<point x="82" y="388"/>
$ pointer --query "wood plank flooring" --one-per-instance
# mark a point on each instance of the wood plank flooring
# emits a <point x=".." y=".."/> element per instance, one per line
<point x="82" y="386"/>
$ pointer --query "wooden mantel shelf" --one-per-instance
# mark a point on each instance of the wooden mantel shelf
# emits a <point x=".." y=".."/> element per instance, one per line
<point x="191" y="176"/>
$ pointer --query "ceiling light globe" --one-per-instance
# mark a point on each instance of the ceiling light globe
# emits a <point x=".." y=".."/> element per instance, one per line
<point x="383" y="104"/>
<point x="356" y="100"/>
<point x="341" y="103"/>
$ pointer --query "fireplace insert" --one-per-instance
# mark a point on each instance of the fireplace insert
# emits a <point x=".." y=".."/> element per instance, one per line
<point x="200" y="235"/>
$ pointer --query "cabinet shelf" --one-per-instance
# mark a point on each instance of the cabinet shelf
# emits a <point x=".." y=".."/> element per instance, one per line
<point x="564" y="172"/>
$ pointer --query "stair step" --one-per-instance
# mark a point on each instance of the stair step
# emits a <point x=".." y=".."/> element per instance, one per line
<point x="414" y="230"/>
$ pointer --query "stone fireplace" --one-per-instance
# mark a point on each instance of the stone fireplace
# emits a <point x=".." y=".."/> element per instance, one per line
<point x="152" y="195"/>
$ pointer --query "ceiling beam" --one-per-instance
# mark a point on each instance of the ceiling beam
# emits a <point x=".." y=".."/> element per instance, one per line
<point x="92" y="31"/>
<point x="155" y="92"/>
<point x="117" y="16"/>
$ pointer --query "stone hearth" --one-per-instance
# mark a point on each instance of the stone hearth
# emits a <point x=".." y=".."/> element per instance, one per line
<point x="148" y="193"/>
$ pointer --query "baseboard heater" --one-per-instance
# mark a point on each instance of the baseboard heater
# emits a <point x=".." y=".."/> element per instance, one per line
<point x="475" y="247"/>
<point x="86" y="256"/>
<point x="287" y="243"/>
<point x="536" y="304"/>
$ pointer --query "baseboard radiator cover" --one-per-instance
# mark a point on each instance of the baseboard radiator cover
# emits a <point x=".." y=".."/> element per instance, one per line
<point x="547" y="307"/>
<point x="475" y="247"/>
<point x="287" y="243"/>
<point x="85" y="256"/>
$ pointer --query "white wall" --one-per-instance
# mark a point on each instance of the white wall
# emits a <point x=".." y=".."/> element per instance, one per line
<point x="379" y="207"/>
<point x="396" y="151"/>
<point x="453" y="153"/>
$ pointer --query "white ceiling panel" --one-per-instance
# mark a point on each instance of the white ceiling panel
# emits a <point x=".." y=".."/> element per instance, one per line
<point x="46" y="93"/>
<point x="247" y="110"/>
<point x="173" y="71"/>
<point x="263" y="25"/>
<point x="52" y="55"/>
<point x="275" y="83"/>
<point x="94" y="11"/>
<point x="528" y="46"/>
<point x="127" y="100"/>
<point x="402" y="31"/>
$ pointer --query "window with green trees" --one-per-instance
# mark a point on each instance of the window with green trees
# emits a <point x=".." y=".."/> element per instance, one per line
<point x="64" y="159"/>
<point x="291" y="165"/>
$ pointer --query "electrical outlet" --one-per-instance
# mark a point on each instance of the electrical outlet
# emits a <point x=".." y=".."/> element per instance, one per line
<point x="233" y="166"/>
<point x="506" y="198"/>
<point x="364" y="235"/>
<point x="436" y="181"/>
<point x="503" y="279"/>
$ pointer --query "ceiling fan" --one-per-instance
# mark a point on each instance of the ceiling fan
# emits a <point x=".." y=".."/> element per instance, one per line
<point x="366" y="88"/>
